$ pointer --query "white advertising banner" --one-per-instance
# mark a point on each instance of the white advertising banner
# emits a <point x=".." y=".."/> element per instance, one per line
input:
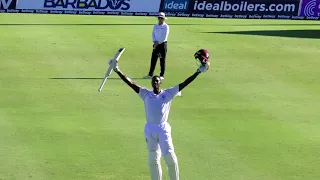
<point x="92" y="5"/>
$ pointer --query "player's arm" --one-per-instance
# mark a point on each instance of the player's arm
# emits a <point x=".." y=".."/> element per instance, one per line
<point x="202" y="68"/>
<point x="202" y="55"/>
<point x="154" y="39"/>
<point x="128" y="81"/>
<point x="189" y="80"/>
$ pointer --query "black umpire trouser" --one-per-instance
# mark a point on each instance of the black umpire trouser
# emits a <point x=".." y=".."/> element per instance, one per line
<point x="161" y="52"/>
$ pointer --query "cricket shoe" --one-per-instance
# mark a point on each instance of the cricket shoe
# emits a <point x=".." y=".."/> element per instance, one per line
<point x="147" y="77"/>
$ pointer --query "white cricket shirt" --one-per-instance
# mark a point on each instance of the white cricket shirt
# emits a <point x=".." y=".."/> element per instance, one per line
<point x="160" y="33"/>
<point x="157" y="106"/>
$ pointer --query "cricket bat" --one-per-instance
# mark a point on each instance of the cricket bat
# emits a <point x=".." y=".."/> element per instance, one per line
<point x="111" y="65"/>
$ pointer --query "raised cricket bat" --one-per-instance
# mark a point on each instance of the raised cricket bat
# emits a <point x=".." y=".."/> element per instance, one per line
<point x="111" y="65"/>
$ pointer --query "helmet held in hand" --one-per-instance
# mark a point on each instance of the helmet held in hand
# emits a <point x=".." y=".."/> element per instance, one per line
<point x="202" y="56"/>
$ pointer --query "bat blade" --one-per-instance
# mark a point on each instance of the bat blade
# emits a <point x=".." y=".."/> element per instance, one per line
<point x="115" y="59"/>
<point x="109" y="71"/>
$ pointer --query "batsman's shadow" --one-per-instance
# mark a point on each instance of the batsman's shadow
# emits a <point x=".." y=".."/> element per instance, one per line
<point x="85" y="78"/>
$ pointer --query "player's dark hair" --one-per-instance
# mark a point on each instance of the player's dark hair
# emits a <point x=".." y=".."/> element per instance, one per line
<point x="156" y="76"/>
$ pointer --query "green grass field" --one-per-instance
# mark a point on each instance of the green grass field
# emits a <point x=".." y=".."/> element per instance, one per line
<point x="254" y="116"/>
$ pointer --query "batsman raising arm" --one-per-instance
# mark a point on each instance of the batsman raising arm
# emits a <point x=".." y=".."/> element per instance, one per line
<point x="157" y="130"/>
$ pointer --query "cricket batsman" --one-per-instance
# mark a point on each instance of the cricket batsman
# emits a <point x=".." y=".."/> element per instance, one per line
<point x="157" y="130"/>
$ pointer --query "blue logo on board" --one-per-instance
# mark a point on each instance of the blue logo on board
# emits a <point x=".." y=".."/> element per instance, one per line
<point x="175" y="5"/>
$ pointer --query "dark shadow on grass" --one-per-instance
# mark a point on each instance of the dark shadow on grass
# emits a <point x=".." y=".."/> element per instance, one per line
<point x="311" y="34"/>
<point x="84" y="78"/>
<point x="92" y="24"/>
<point x="275" y="25"/>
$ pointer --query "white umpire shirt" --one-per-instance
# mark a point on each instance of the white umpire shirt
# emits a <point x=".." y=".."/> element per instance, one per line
<point x="157" y="106"/>
<point x="160" y="32"/>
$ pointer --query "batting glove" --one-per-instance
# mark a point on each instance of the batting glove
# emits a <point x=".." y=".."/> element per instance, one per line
<point x="203" y="67"/>
<point x="116" y="67"/>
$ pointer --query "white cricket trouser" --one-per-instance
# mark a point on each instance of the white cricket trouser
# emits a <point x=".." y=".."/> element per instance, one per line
<point x="159" y="136"/>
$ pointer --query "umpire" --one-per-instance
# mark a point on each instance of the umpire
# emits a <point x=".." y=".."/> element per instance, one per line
<point x="159" y="37"/>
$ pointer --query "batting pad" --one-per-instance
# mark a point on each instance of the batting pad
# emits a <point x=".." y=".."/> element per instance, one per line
<point x="172" y="163"/>
<point x="155" y="166"/>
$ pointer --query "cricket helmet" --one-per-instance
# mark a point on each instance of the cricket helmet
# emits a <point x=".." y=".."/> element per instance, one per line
<point x="202" y="56"/>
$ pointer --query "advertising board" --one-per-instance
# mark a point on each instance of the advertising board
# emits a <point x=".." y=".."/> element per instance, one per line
<point x="248" y="9"/>
<point x="309" y="8"/>
<point x="8" y="4"/>
<point x="92" y="5"/>
<point x="238" y="9"/>
<point x="261" y="7"/>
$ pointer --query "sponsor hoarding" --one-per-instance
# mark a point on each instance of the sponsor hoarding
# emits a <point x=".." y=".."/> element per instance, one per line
<point x="92" y="5"/>
<point x="309" y="8"/>
<point x="238" y="9"/>
<point x="169" y="14"/>
<point x="80" y="12"/>
<point x="8" y="4"/>
<point x="252" y="9"/>
<point x="175" y="5"/>
<point x="232" y="7"/>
